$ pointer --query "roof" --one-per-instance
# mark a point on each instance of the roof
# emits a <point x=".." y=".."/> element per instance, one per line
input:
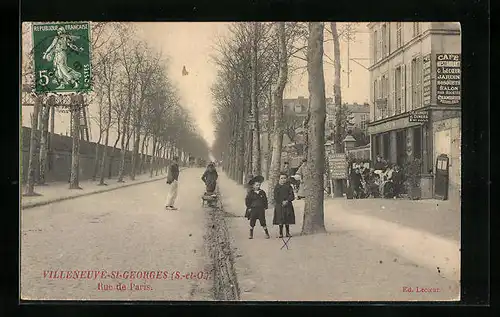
<point x="356" y="108"/>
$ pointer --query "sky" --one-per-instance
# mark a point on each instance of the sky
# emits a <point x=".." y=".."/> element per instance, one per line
<point x="190" y="44"/>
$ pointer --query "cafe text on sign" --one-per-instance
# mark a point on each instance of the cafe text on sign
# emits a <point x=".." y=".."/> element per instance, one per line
<point x="448" y="80"/>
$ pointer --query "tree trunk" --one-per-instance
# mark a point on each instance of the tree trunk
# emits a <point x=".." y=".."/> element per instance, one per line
<point x="270" y="129"/>
<point x="123" y="147"/>
<point x="113" y="151"/>
<point x="136" y="143"/>
<point x="313" y="210"/>
<point x="144" y="159"/>
<point x="256" y="153"/>
<point x="96" y="158"/>
<point x="30" y="181"/>
<point x="158" y="159"/>
<point x="106" y="140"/>
<point x="103" y="159"/>
<point x="141" y="155"/>
<point x="240" y="149"/>
<point x="338" y="103"/>
<point x="51" y="135"/>
<point x="153" y="153"/>
<point x="44" y="126"/>
<point x="75" y="153"/>
<point x="278" y="113"/>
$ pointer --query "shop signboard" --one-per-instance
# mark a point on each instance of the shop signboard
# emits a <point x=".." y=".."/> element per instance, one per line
<point x="427" y="83"/>
<point x="419" y="116"/>
<point x="448" y="79"/>
<point x="338" y="165"/>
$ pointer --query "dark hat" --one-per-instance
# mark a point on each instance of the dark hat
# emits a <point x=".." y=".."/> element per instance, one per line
<point x="256" y="179"/>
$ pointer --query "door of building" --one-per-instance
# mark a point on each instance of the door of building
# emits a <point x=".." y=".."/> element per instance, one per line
<point x="401" y="147"/>
<point x="387" y="146"/>
<point x="442" y="177"/>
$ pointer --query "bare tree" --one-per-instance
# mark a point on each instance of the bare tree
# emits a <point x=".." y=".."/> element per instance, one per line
<point x="337" y="139"/>
<point x="314" y="177"/>
<point x="77" y="102"/>
<point x="278" y="110"/>
<point x="44" y="144"/>
<point x="30" y="183"/>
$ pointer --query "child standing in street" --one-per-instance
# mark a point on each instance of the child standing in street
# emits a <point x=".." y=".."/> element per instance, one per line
<point x="284" y="213"/>
<point x="256" y="203"/>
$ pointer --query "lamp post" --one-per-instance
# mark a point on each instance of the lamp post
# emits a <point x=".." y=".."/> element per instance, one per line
<point x="349" y="142"/>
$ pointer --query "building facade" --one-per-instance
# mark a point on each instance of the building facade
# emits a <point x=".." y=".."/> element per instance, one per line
<point x="359" y="116"/>
<point x="415" y="91"/>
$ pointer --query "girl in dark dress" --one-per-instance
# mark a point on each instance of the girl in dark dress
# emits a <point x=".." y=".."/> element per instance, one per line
<point x="256" y="203"/>
<point x="284" y="213"/>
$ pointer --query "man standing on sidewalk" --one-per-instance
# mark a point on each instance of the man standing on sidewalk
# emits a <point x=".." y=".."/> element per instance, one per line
<point x="172" y="182"/>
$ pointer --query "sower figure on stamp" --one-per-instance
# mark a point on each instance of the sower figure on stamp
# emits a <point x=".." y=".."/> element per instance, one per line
<point x="172" y="182"/>
<point x="284" y="214"/>
<point x="256" y="203"/>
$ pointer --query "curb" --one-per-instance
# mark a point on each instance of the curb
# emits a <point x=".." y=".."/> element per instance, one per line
<point x="56" y="200"/>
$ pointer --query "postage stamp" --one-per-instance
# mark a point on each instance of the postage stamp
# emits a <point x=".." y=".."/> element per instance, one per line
<point x="62" y="58"/>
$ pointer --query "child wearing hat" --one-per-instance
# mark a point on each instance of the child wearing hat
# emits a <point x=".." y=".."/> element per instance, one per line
<point x="256" y="203"/>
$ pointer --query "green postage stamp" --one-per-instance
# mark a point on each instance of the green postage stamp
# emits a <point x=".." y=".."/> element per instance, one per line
<point x="62" y="58"/>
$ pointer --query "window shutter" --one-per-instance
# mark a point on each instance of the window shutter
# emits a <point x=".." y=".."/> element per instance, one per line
<point x="403" y="89"/>
<point x="389" y="25"/>
<point x="420" y="80"/>
<point x="392" y="84"/>
<point x="409" y="93"/>
<point x="372" y="47"/>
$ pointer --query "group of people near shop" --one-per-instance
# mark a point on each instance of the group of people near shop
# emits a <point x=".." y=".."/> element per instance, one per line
<point x="382" y="180"/>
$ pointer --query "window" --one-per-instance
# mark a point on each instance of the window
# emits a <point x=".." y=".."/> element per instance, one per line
<point x="376" y="144"/>
<point x="384" y="40"/>
<point x="416" y="28"/>
<point x="398" y="91"/>
<point x="375" y="46"/>
<point x="399" y="34"/>
<point x="385" y="94"/>
<point x="376" y="112"/>
<point x="416" y="82"/>
<point x="363" y="122"/>
<point x="386" y="145"/>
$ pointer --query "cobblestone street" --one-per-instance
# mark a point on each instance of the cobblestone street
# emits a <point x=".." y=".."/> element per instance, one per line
<point x="122" y="230"/>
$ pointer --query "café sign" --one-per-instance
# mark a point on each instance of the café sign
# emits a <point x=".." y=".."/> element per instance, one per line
<point x="448" y="80"/>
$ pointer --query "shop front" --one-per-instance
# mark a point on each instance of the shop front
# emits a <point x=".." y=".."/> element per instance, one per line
<point x="403" y="138"/>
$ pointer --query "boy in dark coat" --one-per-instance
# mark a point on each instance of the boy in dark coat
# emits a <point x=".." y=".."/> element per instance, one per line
<point x="284" y="213"/>
<point x="256" y="203"/>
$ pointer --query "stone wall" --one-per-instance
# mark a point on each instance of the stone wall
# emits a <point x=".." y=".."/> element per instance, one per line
<point x="59" y="158"/>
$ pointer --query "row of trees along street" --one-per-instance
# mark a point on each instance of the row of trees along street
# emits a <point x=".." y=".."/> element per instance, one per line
<point x="135" y="98"/>
<point x="255" y="62"/>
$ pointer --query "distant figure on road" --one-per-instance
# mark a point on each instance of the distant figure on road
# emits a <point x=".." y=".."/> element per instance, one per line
<point x="172" y="181"/>
<point x="284" y="213"/>
<point x="256" y="203"/>
<point x="209" y="177"/>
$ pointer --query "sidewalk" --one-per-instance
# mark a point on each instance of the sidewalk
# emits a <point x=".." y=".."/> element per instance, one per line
<point x="441" y="218"/>
<point x="361" y="258"/>
<point x="55" y="192"/>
